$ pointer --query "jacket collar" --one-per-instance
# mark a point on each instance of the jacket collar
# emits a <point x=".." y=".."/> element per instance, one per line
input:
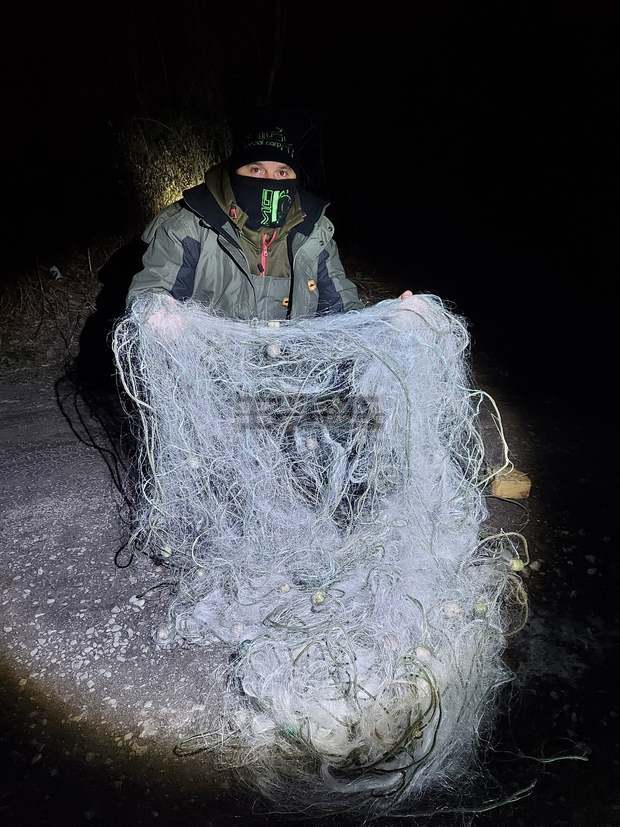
<point x="200" y="200"/>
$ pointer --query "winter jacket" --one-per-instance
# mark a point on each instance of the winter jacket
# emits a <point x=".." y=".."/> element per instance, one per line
<point x="199" y="248"/>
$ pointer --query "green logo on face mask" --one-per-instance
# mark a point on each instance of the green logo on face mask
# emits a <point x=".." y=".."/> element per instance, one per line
<point x="274" y="206"/>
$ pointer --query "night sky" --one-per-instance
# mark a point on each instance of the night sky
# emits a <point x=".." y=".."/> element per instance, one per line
<point x="470" y="150"/>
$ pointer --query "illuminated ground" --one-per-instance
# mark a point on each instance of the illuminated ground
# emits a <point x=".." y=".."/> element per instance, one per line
<point x="77" y="655"/>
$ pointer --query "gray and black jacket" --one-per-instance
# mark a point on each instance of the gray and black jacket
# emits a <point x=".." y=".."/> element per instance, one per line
<point x="197" y="250"/>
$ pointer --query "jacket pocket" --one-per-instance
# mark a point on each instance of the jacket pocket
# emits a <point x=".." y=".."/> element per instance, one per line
<point x="272" y="296"/>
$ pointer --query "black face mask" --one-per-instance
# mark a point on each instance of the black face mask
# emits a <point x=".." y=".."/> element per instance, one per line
<point x="265" y="201"/>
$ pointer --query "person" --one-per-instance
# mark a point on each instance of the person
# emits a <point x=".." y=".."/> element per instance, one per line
<point x="248" y="241"/>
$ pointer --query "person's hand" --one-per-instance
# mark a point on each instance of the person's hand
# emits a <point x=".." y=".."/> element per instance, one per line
<point x="411" y="302"/>
<point x="168" y="319"/>
<point x="410" y="307"/>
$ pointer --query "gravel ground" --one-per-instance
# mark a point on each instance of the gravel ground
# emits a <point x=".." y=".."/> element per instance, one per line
<point x="91" y="709"/>
<point x="78" y="660"/>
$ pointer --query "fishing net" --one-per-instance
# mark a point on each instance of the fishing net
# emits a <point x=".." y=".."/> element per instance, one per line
<point x="316" y="489"/>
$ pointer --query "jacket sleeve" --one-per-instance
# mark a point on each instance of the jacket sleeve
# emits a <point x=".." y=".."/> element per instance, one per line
<point x="170" y="259"/>
<point x="337" y="294"/>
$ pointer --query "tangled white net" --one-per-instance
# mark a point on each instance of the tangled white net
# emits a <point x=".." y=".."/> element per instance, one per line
<point x="316" y="487"/>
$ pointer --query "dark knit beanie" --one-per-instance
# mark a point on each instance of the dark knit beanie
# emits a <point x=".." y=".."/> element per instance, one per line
<point x="263" y="142"/>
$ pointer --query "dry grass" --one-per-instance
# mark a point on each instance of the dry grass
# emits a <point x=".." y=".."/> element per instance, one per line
<point x="41" y="317"/>
<point x="163" y="159"/>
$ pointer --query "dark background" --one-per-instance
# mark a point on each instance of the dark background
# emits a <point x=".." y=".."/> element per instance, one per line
<point x="468" y="150"/>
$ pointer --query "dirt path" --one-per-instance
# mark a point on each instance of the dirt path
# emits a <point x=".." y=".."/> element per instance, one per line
<point x="91" y="710"/>
<point x="77" y="654"/>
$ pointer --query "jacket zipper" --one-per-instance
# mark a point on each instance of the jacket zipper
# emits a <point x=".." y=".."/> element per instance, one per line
<point x="264" y="252"/>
